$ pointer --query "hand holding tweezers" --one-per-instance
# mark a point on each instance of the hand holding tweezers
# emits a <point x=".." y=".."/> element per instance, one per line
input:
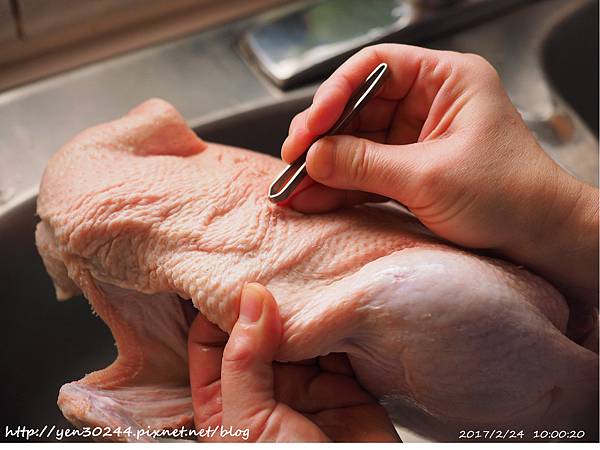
<point x="288" y="180"/>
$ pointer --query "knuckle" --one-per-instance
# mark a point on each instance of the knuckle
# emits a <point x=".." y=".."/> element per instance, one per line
<point x="357" y="162"/>
<point x="375" y="48"/>
<point x="482" y="66"/>
<point x="295" y="122"/>
<point x="238" y="354"/>
<point x="367" y="52"/>
<point x="235" y="364"/>
<point x="476" y="60"/>
<point x="372" y="53"/>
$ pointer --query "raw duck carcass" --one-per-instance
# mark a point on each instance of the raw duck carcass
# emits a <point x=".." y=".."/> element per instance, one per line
<point x="145" y="219"/>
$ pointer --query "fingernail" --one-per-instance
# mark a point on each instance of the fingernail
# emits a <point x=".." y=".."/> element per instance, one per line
<point x="319" y="160"/>
<point x="251" y="304"/>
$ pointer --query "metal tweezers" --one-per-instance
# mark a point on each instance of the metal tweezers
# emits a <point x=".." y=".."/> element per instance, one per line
<point x="288" y="180"/>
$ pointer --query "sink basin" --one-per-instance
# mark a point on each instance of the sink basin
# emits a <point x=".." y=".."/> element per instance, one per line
<point x="45" y="342"/>
<point x="48" y="343"/>
<point x="570" y="60"/>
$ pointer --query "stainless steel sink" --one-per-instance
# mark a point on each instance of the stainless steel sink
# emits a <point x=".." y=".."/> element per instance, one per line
<point x="570" y="60"/>
<point x="47" y="343"/>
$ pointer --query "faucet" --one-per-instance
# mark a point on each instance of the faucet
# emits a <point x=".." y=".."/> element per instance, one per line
<point x="305" y="44"/>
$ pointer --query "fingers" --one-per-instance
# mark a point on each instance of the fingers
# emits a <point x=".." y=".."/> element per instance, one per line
<point x="336" y="363"/>
<point x="314" y="391"/>
<point x="350" y="163"/>
<point x="362" y="423"/>
<point x="319" y="198"/>
<point x="205" y="351"/>
<point x="376" y="116"/>
<point x="416" y="76"/>
<point x="247" y="372"/>
<point x="332" y="96"/>
<point x="299" y="138"/>
<point x="406" y="71"/>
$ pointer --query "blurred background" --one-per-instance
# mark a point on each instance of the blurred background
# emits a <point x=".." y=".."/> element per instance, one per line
<point x="41" y="37"/>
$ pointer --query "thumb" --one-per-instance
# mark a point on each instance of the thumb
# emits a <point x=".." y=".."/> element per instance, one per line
<point x="247" y="373"/>
<point x="352" y="163"/>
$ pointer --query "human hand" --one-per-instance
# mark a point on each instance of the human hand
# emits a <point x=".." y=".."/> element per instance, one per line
<point x="235" y="383"/>
<point x="442" y="138"/>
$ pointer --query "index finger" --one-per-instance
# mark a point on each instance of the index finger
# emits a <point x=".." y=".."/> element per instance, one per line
<point x="406" y="65"/>
<point x="205" y="352"/>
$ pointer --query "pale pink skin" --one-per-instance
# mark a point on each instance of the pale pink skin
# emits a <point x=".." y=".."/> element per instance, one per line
<point x="140" y="211"/>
